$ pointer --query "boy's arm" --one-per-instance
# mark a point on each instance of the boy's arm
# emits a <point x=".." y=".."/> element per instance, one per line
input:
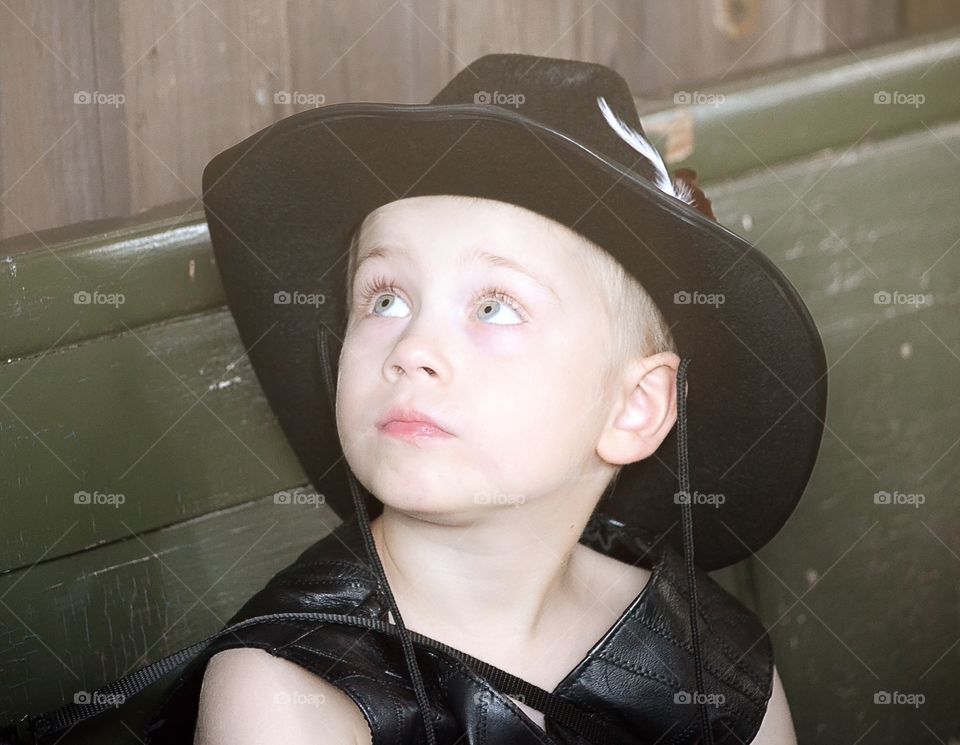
<point x="250" y="697"/>
<point x="777" y="725"/>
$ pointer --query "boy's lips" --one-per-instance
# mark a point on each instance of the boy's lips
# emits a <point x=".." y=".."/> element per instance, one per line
<point x="404" y="420"/>
<point x="414" y="431"/>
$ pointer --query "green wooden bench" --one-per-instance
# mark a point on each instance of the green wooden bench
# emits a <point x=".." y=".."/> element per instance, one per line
<point x="139" y="458"/>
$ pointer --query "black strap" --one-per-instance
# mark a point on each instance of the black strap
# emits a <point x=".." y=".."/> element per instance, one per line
<point x="41" y="727"/>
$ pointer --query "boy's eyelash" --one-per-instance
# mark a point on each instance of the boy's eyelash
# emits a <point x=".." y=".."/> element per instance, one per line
<point x="372" y="287"/>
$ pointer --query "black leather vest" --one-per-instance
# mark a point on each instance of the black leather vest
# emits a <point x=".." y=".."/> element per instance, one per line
<point x="634" y="678"/>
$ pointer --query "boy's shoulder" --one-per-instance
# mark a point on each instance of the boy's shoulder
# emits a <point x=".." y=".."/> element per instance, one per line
<point x="248" y="692"/>
<point x="329" y="577"/>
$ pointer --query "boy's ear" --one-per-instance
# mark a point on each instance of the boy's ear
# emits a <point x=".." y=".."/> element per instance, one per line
<point x="644" y="413"/>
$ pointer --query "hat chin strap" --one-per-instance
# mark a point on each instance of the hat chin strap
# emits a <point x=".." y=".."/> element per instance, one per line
<point x="686" y="515"/>
<point x="686" y="519"/>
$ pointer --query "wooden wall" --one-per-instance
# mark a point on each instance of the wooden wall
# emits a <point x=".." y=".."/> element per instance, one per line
<point x="179" y="81"/>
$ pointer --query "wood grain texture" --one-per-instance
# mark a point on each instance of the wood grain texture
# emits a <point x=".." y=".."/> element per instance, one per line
<point x="829" y="103"/>
<point x="169" y="417"/>
<point x="186" y="79"/>
<point x="81" y="621"/>
<point x="144" y="273"/>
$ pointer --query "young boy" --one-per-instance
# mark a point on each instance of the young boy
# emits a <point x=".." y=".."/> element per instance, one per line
<point x="518" y="290"/>
<point x="536" y="393"/>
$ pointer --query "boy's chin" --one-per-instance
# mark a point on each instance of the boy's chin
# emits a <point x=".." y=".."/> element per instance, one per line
<point x="445" y="509"/>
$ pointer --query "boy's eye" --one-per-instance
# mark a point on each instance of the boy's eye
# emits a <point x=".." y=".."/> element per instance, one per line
<point x="385" y="296"/>
<point x="386" y="301"/>
<point x="494" y="301"/>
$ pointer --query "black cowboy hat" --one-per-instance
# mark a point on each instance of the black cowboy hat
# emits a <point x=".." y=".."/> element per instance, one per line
<point x="562" y="138"/>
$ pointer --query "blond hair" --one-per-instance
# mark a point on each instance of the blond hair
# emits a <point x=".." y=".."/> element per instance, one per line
<point x="638" y="327"/>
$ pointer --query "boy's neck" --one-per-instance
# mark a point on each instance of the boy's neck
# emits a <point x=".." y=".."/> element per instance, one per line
<point x="492" y="581"/>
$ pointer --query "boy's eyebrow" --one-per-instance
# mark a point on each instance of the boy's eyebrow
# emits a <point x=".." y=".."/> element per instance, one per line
<point x="382" y="252"/>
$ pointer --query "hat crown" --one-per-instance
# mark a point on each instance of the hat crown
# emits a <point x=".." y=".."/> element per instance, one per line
<point x="559" y="93"/>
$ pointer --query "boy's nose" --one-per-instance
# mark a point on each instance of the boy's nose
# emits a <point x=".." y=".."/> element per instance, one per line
<point x="429" y="370"/>
<point x="414" y="354"/>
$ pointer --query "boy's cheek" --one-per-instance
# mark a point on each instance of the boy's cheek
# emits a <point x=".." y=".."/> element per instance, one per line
<point x="365" y="340"/>
<point x="503" y="341"/>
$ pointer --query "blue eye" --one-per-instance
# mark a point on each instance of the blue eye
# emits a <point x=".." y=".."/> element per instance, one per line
<point x="372" y="290"/>
<point x="496" y="299"/>
<point x="380" y="290"/>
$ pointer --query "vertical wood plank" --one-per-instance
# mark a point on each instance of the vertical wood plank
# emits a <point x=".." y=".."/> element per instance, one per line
<point x="919" y="16"/>
<point x="198" y="76"/>
<point x="47" y="143"/>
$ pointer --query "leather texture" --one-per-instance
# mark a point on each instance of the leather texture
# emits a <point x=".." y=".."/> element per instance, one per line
<point x="630" y="677"/>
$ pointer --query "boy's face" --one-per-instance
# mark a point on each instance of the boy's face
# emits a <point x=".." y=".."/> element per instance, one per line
<point x="518" y="388"/>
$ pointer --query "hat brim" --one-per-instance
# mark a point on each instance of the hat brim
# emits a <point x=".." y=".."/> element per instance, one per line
<point x="282" y="204"/>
